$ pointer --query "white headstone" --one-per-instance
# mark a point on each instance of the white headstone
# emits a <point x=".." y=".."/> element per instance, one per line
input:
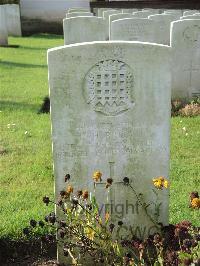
<point x="185" y="42"/>
<point x="79" y="14"/>
<point x="101" y="10"/>
<point x="153" y="10"/>
<point x="106" y="15"/>
<point x="195" y="16"/>
<point x="190" y="12"/>
<point x="3" y="26"/>
<point x="164" y="21"/>
<point x="174" y="11"/>
<point x="84" y="29"/>
<point x="78" y="9"/>
<point x="118" y="16"/>
<point x="110" y="110"/>
<point x="144" y="14"/>
<point x="13" y="20"/>
<point x="135" y="29"/>
<point x="129" y="10"/>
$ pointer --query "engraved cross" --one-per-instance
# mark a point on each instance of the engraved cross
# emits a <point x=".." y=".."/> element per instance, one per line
<point x="191" y="71"/>
<point x="111" y="189"/>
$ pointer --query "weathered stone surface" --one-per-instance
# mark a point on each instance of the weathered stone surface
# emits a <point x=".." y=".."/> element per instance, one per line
<point x="164" y="20"/>
<point x="111" y="111"/>
<point x="13" y="20"/>
<point x="3" y="27"/>
<point x="145" y="13"/>
<point x="185" y="44"/>
<point x="79" y="14"/>
<point x="135" y="29"/>
<point x="84" y="29"/>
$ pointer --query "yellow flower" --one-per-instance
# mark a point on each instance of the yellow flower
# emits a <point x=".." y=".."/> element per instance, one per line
<point x="157" y="183"/>
<point x="160" y="182"/>
<point x="69" y="189"/>
<point x="97" y="176"/>
<point x="166" y="184"/>
<point x="195" y="203"/>
<point x="89" y="233"/>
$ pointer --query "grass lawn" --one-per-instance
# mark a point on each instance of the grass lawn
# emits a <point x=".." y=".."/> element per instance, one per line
<point x="26" y="161"/>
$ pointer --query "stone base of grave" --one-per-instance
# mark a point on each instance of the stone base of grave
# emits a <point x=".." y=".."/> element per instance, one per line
<point x="33" y="26"/>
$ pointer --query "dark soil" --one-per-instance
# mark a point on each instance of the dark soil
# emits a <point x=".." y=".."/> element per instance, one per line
<point x="27" y="252"/>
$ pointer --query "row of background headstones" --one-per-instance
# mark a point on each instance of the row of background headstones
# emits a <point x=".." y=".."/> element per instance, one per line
<point x="154" y="28"/>
<point x="10" y="24"/>
<point x="107" y="28"/>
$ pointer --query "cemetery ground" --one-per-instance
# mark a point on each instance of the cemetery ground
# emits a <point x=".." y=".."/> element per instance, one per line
<point x="25" y="148"/>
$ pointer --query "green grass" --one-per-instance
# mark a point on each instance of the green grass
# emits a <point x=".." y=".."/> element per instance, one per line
<point x="184" y="167"/>
<point x="26" y="165"/>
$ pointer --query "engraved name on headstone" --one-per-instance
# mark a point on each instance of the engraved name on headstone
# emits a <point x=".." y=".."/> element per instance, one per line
<point x="135" y="29"/>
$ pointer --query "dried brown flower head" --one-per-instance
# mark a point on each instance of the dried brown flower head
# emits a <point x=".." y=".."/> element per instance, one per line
<point x="67" y="177"/>
<point x="109" y="182"/>
<point x="85" y="194"/>
<point x="79" y="193"/>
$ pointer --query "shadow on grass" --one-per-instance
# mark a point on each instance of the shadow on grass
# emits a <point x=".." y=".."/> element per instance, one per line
<point x="10" y="46"/>
<point x="24" y="252"/>
<point x="15" y="64"/>
<point x="13" y="106"/>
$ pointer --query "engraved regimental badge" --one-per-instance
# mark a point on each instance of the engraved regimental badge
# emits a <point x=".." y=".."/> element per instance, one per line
<point x="108" y="87"/>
